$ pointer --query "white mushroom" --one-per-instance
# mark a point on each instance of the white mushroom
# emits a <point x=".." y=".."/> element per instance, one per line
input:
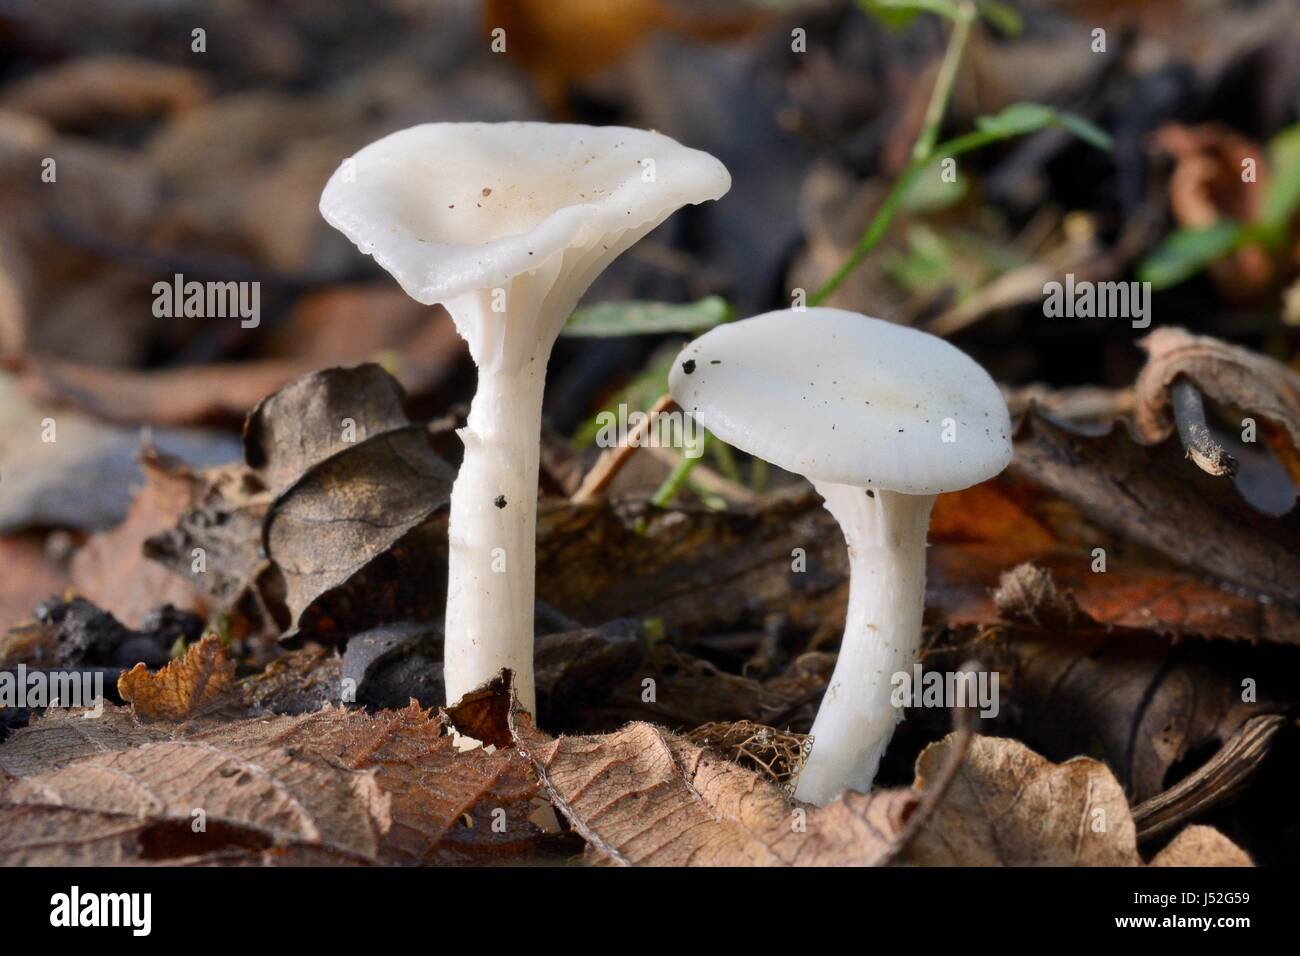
<point x="506" y="225"/>
<point x="881" y="419"/>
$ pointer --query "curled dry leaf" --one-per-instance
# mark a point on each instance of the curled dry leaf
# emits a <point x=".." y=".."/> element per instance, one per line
<point x="185" y="687"/>
<point x="1010" y="807"/>
<point x="1231" y="376"/>
<point x="353" y="532"/>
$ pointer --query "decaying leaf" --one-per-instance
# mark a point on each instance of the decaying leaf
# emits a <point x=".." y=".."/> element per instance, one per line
<point x="216" y="542"/>
<point x="1150" y="495"/>
<point x="644" y="797"/>
<point x="774" y="754"/>
<point x="1124" y="696"/>
<point x="139" y="804"/>
<point x="965" y="582"/>
<point x="1201" y="846"/>
<point x="111" y="569"/>
<point x="31" y="574"/>
<point x="1010" y="807"/>
<point x="184" y="687"/>
<point x="352" y="787"/>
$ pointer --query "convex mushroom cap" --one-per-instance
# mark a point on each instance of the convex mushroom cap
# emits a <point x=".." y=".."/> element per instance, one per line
<point x="840" y="397"/>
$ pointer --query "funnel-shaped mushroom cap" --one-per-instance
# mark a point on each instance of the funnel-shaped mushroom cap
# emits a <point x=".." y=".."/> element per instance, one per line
<point x="839" y="397"/>
<point x="449" y="208"/>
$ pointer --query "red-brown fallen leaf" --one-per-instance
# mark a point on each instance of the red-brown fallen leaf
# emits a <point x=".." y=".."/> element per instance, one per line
<point x="111" y="569"/>
<point x="1232" y="376"/>
<point x="1147" y="595"/>
<point x="987" y="512"/>
<point x="563" y="42"/>
<point x="29" y="576"/>
<point x="185" y="687"/>
<point x="1010" y="807"/>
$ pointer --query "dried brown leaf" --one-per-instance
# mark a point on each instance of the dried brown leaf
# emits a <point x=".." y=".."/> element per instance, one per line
<point x="111" y="569"/>
<point x="1008" y="806"/>
<point x="1201" y="846"/>
<point x="642" y="796"/>
<point x="353" y="787"/>
<point x="184" y="687"/>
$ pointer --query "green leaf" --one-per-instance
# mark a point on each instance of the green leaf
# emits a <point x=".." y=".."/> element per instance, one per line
<point x="1086" y="130"/>
<point x="1003" y="17"/>
<point x="1282" y="195"/>
<point x="896" y="14"/>
<point x="1186" y="252"/>
<point x="1019" y="119"/>
<point x="647" y="318"/>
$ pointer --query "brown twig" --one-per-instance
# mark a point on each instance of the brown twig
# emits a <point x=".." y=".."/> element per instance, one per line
<point x="963" y="732"/>
<point x="1202" y="448"/>
<point x="612" y="460"/>
<point x="1222" y="776"/>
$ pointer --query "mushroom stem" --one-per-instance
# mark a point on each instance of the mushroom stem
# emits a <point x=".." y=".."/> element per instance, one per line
<point x="885" y="532"/>
<point x="492" y="536"/>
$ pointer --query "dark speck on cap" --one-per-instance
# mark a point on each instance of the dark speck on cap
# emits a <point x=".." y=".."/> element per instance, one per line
<point x="688" y="366"/>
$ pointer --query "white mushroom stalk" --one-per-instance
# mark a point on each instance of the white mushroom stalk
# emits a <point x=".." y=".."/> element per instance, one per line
<point x="881" y="419"/>
<point x="506" y="225"/>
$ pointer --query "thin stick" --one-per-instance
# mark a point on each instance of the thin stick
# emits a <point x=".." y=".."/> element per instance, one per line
<point x="1202" y="448"/>
<point x="612" y="460"/>
<point x="943" y="83"/>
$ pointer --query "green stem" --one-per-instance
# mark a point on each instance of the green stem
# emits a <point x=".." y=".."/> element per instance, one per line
<point x="885" y="215"/>
<point x="943" y="83"/>
<point x="726" y="460"/>
<point x="667" y="491"/>
<point x="923" y="150"/>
